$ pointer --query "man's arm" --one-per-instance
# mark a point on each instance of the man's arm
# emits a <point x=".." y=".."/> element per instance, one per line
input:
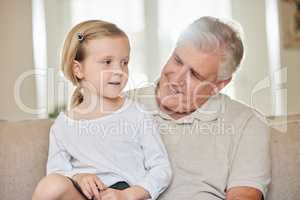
<point x="250" y="172"/>
<point x="243" y="193"/>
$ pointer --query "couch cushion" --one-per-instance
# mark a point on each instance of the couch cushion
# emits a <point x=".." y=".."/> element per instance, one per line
<point x="24" y="149"/>
<point x="23" y="156"/>
<point x="285" y="148"/>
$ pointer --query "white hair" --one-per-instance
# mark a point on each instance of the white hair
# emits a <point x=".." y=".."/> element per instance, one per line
<point x="211" y="35"/>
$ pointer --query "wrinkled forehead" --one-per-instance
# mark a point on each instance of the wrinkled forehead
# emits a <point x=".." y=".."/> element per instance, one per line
<point x="190" y="55"/>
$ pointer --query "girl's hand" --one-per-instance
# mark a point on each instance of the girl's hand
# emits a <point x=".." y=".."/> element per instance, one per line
<point x="89" y="184"/>
<point x="112" y="194"/>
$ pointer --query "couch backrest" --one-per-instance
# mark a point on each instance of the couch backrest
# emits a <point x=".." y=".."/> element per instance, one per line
<point x="23" y="155"/>
<point x="285" y="148"/>
<point x="24" y="149"/>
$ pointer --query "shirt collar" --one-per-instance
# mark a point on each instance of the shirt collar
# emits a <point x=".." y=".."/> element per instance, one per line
<point x="209" y="111"/>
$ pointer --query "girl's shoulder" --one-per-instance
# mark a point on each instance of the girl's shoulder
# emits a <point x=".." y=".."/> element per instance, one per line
<point x="131" y="110"/>
<point x="59" y="127"/>
<point x="138" y="111"/>
<point x="133" y="105"/>
<point x="60" y="121"/>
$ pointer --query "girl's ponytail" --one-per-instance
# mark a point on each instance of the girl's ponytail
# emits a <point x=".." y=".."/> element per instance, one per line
<point x="76" y="98"/>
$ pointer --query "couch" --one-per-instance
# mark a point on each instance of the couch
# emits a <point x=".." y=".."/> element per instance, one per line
<point x="24" y="147"/>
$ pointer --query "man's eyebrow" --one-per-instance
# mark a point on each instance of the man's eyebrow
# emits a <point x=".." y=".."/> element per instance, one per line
<point x="197" y="74"/>
<point x="193" y="69"/>
<point x="178" y="58"/>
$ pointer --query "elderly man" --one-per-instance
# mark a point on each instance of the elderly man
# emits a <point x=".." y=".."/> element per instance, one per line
<point x="218" y="147"/>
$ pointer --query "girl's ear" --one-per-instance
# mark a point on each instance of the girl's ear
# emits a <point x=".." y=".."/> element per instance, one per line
<point x="77" y="69"/>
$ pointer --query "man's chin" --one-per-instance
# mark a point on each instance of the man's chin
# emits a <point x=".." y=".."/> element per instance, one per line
<point x="173" y="108"/>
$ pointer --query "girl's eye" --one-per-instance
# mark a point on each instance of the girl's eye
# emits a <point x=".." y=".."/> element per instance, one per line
<point x="124" y="63"/>
<point x="107" y="62"/>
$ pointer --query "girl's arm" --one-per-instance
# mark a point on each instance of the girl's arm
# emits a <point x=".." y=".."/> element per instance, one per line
<point x="59" y="162"/>
<point x="58" y="157"/>
<point x="156" y="161"/>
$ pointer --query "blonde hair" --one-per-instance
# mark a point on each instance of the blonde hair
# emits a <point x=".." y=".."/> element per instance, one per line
<point x="74" y="48"/>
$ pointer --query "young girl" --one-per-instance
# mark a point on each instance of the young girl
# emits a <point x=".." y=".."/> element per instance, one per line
<point x="105" y="147"/>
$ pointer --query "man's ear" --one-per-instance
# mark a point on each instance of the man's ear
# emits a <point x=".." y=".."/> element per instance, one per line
<point x="77" y="69"/>
<point x="220" y="85"/>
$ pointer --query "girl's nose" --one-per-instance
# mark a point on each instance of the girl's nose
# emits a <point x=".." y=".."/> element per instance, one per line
<point x="117" y="68"/>
<point x="117" y="72"/>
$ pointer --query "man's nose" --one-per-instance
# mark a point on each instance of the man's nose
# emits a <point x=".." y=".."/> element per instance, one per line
<point x="180" y="75"/>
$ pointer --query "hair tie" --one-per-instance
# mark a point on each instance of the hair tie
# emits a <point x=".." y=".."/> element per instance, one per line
<point x="80" y="37"/>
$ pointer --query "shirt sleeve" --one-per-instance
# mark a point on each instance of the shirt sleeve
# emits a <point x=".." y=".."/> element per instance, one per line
<point x="251" y="165"/>
<point x="159" y="173"/>
<point x="58" y="157"/>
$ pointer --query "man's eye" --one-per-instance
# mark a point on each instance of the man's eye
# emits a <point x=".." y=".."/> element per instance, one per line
<point x="178" y="61"/>
<point x="196" y="75"/>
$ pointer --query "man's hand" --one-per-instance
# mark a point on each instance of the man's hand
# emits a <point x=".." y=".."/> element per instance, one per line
<point x="243" y="193"/>
<point x="89" y="184"/>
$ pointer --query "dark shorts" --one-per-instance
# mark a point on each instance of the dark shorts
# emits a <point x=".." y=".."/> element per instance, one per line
<point x="118" y="186"/>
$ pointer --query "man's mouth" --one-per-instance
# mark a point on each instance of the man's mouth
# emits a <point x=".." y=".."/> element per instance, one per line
<point x="174" y="89"/>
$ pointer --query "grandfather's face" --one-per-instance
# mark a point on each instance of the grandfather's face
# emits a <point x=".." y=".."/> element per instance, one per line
<point x="188" y="79"/>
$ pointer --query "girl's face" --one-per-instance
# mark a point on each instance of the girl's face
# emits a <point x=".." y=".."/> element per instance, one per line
<point x="105" y="67"/>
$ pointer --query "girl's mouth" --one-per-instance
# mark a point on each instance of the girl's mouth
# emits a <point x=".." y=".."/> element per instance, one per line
<point x="114" y="83"/>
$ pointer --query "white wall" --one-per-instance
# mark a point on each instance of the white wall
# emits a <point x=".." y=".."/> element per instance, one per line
<point x="291" y="59"/>
<point x="255" y="68"/>
<point x="252" y="83"/>
<point x="58" y="22"/>
<point x="16" y="55"/>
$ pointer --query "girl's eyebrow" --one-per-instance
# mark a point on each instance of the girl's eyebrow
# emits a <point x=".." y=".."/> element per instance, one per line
<point x="111" y="57"/>
<point x="103" y="58"/>
<point x="106" y="57"/>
